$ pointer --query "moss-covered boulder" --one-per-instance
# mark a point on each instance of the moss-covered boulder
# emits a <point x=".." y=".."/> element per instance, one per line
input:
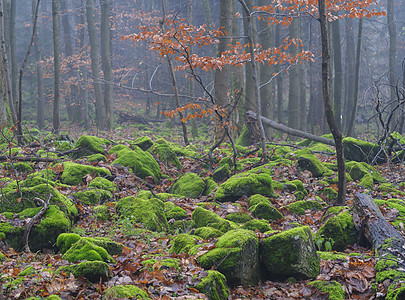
<point x="94" y="158"/>
<point x="174" y="212"/>
<point x="208" y="232"/>
<point x="361" y="151"/>
<point x="243" y="139"/>
<point x="339" y="231"/>
<point x="236" y="255"/>
<point x="66" y="240"/>
<point x="244" y="184"/>
<point x="183" y="243"/>
<point x="142" y="163"/>
<point x="299" y="207"/>
<point x="189" y="185"/>
<point x="221" y="173"/>
<point x="165" y="263"/>
<point x="311" y="163"/>
<point x="166" y="155"/>
<point x="149" y="212"/>
<point x="144" y="142"/>
<point x="333" y="288"/>
<point x="214" y="286"/>
<point x="117" y="148"/>
<point x="84" y="249"/>
<point x="103" y="183"/>
<point x="92" y="270"/>
<point x="290" y="253"/>
<point x="265" y="211"/>
<point x="238" y="217"/>
<point x="73" y="173"/>
<point x="261" y="225"/>
<point x="90" y="145"/>
<point x="91" y="197"/>
<point x="125" y="291"/>
<point x="205" y="218"/>
<point x="357" y="170"/>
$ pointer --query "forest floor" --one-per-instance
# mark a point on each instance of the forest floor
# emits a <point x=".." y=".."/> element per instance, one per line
<point x="354" y="272"/>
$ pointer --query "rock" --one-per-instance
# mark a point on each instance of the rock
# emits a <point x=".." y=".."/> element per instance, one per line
<point x="244" y="184"/>
<point x="261" y="225"/>
<point x="144" y="142"/>
<point x="102" y="213"/>
<point x="311" y="163"/>
<point x="333" y="288"/>
<point x="117" y="148"/>
<point x="222" y="173"/>
<point x="357" y="170"/>
<point x="203" y="217"/>
<point x="94" y="158"/>
<point x="299" y="207"/>
<point x="261" y="208"/>
<point x="361" y="151"/>
<point x="339" y="231"/>
<point x="91" y="197"/>
<point x="125" y="291"/>
<point x="238" y="217"/>
<point x="90" y="145"/>
<point x="214" y="286"/>
<point x="183" y="243"/>
<point x="103" y="183"/>
<point x="189" y="185"/>
<point x="73" y="173"/>
<point x="290" y="253"/>
<point x="142" y="163"/>
<point x="165" y="154"/>
<point x="164" y="263"/>
<point x="92" y="270"/>
<point x="84" y="249"/>
<point x="236" y="255"/>
<point x="208" y="232"/>
<point x="149" y="212"/>
<point x="66" y="240"/>
<point x="243" y="139"/>
<point x="173" y="211"/>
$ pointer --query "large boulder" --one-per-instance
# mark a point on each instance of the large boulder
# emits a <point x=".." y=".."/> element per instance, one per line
<point x="73" y="173"/>
<point x="291" y="253"/>
<point x="90" y="145"/>
<point x="142" y="163"/>
<point x="189" y="185"/>
<point x="92" y="270"/>
<point x="214" y="286"/>
<point x="149" y="212"/>
<point x="261" y="208"/>
<point x="311" y="163"/>
<point x="162" y="150"/>
<point x="357" y="170"/>
<point x="236" y="255"/>
<point x="205" y="218"/>
<point x="362" y="151"/>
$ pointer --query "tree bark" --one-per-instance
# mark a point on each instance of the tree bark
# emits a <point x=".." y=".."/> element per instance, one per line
<point x="392" y="30"/>
<point x="95" y="67"/>
<point x="349" y="73"/>
<point x="294" y="90"/>
<point x="279" y="80"/>
<point x="13" y="53"/>
<point x="56" y="54"/>
<point x="40" y="75"/>
<point x="337" y="135"/>
<point x="106" y="61"/>
<point x="338" y="86"/>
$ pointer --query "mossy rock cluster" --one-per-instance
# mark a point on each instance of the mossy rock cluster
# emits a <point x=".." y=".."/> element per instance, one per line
<point x="189" y="185"/>
<point x="311" y="163"/>
<point x="236" y="255"/>
<point x="149" y="212"/>
<point x="300" y="261"/>
<point x="165" y="154"/>
<point x="90" y="145"/>
<point x="361" y="151"/>
<point x="141" y="163"/>
<point x="73" y="173"/>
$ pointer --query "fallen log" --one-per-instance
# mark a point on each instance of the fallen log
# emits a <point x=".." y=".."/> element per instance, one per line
<point x="290" y="130"/>
<point x="388" y="244"/>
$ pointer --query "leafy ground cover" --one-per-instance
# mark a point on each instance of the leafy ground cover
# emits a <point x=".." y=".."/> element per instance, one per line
<point x="148" y="260"/>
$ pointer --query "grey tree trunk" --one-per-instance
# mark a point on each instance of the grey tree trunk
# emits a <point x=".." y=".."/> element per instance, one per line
<point x="337" y="135"/>
<point x="95" y="67"/>
<point x="279" y="82"/>
<point x="338" y="72"/>
<point x="13" y="51"/>
<point x="392" y="30"/>
<point x="350" y="70"/>
<point x="40" y="75"/>
<point x="56" y="53"/>
<point x="106" y="61"/>
<point x="222" y="79"/>
<point x="294" y="90"/>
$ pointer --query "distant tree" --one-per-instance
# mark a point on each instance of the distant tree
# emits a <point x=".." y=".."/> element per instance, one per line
<point x="56" y="55"/>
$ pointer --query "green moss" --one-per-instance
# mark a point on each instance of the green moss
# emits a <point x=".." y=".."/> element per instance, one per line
<point x="357" y="170"/>
<point x="164" y="263"/>
<point x="92" y="270"/>
<point x="83" y="249"/>
<point x="331" y="194"/>
<point x="27" y="271"/>
<point x="334" y="210"/>
<point x="332" y="255"/>
<point x="238" y="217"/>
<point x="125" y="291"/>
<point x="96" y="158"/>
<point x="311" y="163"/>
<point x="333" y="288"/>
<point x="174" y="212"/>
<point x="339" y="230"/>
<point x="2" y="257"/>
<point x="221" y="173"/>
<point x="256" y="199"/>
<point x="13" y="235"/>
<point x="299" y="207"/>
<point x="291" y="253"/>
<point x="389" y="188"/>
<point x="243" y="139"/>
<point x="165" y="155"/>
<point x="244" y="184"/>
<point x="261" y="225"/>
<point x="208" y="232"/>
<point x="392" y="275"/>
<point x="210" y="186"/>
<point x="73" y="173"/>
<point x="181" y="226"/>
<point x="359" y="150"/>
<point x="117" y="148"/>
<point x="144" y="142"/>
<point x="23" y="167"/>
<point x="102" y="212"/>
<point x="367" y="181"/>
<point x="183" y="243"/>
<point x="214" y="286"/>
<point x="203" y="217"/>
<point x="385" y="262"/>
<point x="66" y="240"/>
<point x="103" y="183"/>
<point x="90" y="145"/>
<point x="396" y="293"/>
<point x="141" y="163"/>
<point x="91" y="197"/>
<point x="189" y="185"/>
<point x="236" y="256"/>
<point x="265" y="211"/>
<point x="150" y="212"/>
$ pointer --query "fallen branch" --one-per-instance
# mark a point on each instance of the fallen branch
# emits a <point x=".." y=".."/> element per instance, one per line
<point x="387" y="242"/>
<point x="291" y="131"/>
<point x="28" y="227"/>
<point x="27" y="158"/>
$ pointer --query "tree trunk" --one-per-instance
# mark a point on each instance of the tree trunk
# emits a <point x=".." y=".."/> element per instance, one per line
<point x="350" y="76"/>
<point x="279" y="81"/>
<point x="106" y="61"/>
<point x="338" y="86"/>
<point x="95" y="67"/>
<point x="337" y="135"/>
<point x="294" y="90"/>
<point x="392" y="30"/>
<point x="56" y="54"/>
<point x="351" y="128"/>
<point x="13" y="53"/>
<point x="40" y="75"/>
<point x="222" y="80"/>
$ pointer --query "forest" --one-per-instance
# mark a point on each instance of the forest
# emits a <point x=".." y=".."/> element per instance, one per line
<point x="202" y="149"/>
